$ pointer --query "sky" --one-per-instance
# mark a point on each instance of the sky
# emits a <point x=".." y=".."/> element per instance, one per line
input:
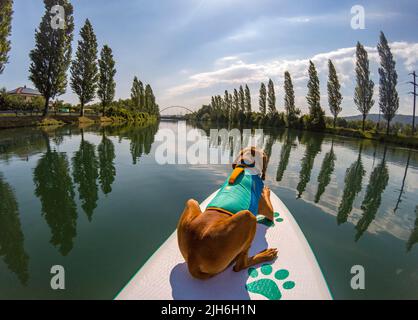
<point x="189" y="50"/>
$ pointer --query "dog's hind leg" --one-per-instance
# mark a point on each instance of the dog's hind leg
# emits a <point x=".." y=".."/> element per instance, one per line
<point x="247" y="224"/>
<point x="191" y="212"/>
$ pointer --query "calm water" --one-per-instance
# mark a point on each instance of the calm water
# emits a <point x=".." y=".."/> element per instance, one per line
<point x="95" y="201"/>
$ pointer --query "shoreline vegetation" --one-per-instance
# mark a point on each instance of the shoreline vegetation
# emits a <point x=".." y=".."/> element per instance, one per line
<point x="91" y="76"/>
<point x="398" y="139"/>
<point x="11" y="122"/>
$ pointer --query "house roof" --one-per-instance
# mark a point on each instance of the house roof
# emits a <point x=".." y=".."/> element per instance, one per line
<point x="24" y="90"/>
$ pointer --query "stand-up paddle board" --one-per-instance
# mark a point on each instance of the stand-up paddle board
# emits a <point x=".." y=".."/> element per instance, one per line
<point x="295" y="274"/>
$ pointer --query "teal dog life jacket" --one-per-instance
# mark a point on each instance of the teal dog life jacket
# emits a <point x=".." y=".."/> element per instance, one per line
<point x="241" y="191"/>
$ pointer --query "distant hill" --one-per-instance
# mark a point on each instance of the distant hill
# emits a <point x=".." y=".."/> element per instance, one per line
<point x="401" y="118"/>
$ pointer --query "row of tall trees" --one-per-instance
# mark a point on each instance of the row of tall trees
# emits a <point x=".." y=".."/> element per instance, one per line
<point x="237" y="107"/>
<point x="143" y="100"/>
<point x="51" y="58"/>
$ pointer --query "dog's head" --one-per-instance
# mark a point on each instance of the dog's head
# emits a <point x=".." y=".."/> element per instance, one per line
<point x="253" y="157"/>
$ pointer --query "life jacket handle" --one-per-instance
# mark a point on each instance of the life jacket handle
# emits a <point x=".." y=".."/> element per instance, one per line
<point x="238" y="170"/>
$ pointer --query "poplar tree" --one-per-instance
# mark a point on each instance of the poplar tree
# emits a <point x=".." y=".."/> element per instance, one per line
<point x="271" y="98"/>
<point x="262" y="101"/>
<point x="107" y="85"/>
<point x="136" y="95"/>
<point x="289" y="98"/>
<point x="235" y="104"/>
<point x="316" y="113"/>
<point x="363" y="94"/>
<point x="84" y="71"/>
<point x="241" y="99"/>
<point x="6" y="12"/>
<point x="388" y="95"/>
<point x="334" y="95"/>
<point x="247" y="100"/>
<point x="51" y="56"/>
<point x="150" y="105"/>
<point x="227" y="104"/>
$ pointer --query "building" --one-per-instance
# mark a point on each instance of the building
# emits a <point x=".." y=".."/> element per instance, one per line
<point x="27" y="93"/>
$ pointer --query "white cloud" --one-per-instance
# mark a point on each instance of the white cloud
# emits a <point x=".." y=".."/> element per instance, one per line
<point x="233" y="71"/>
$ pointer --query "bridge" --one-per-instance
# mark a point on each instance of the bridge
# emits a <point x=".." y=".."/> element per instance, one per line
<point x="175" y="113"/>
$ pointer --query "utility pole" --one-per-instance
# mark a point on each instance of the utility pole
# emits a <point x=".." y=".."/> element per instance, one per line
<point x="414" y="93"/>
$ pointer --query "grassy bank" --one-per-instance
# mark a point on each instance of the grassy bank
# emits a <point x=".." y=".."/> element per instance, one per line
<point x="8" y="122"/>
<point x="400" y="140"/>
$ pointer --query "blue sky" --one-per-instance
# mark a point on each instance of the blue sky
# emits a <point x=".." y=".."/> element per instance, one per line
<point x="189" y="50"/>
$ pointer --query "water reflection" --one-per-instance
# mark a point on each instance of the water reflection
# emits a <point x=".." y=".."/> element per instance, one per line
<point x="403" y="182"/>
<point x="107" y="167"/>
<point x="54" y="188"/>
<point x="413" y="238"/>
<point x="327" y="169"/>
<point x="287" y="146"/>
<point x="85" y="173"/>
<point x="371" y="203"/>
<point x="11" y="236"/>
<point x="353" y="183"/>
<point x="141" y="140"/>
<point x="21" y="143"/>
<point x="107" y="155"/>
<point x="313" y="148"/>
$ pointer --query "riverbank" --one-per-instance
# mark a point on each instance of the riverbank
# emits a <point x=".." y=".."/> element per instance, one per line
<point x="399" y="140"/>
<point x="57" y="120"/>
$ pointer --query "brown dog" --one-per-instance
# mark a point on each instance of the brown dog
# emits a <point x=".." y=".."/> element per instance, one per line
<point x="211" y="241"/>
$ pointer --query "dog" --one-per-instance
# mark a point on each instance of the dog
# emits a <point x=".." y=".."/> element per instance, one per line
<point x="222" y="235"/>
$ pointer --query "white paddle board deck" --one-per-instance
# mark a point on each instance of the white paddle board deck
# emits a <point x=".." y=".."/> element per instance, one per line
<point x="295" y="274"/>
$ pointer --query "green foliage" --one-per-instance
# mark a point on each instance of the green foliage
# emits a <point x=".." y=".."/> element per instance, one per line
<point x="84" y="71"/>
<point x="6" y="12"/>
<point x="271" y="99"/>
<point x="242" y="101"/>
<point x="262" y="101"/>
<point x="289" y="102"/>
<point x="107" y="72"/>
<point x="316" y="120"/>
<point x="51" y="56"/>
<point x="388" y="95"/>
<point x="247" y="100"/>
<point x="150" y="105"/>
<point x="120" y="111"/>
<point x="138" y="95"/>
<point x="363" y="94"/>
<point x="334" y="95"/>
<point x="19" y="104"/>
